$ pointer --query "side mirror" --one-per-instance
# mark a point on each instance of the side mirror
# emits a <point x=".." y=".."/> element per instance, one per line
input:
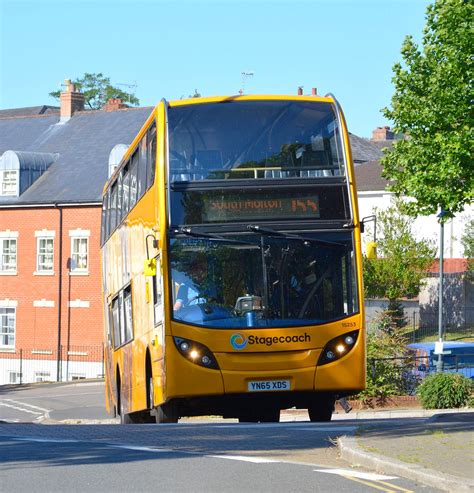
<point x="371" y="250"/>
<point x="149" y="268"/>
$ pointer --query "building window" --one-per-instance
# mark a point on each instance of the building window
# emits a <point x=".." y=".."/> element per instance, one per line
<point x="80" y="254"/>
<point x="8" y="255"/>
<point x="77" y="376"/>
<point x="15" y="377"/>
<point x="44" y="255"/>
<point x="7" y="327"/>
<point x="9" y="183"/>
<point x="42" y="376"/>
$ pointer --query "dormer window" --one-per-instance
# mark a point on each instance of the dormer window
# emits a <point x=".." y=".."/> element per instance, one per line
<point x="9" y="182"/>
<point x="20" y="169"/>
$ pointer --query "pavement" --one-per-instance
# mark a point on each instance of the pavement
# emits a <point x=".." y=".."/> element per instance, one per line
<point x="438" y="451"/>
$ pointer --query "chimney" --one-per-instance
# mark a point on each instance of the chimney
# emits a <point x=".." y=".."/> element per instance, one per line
<point x="71" y="101"/>
<point x="382" y="133"/>
<point x="114" y="104"/>
<point x="300" y="90"/>
<point x="314" y="91"/>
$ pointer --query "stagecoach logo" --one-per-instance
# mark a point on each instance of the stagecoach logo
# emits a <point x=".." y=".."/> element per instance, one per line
<point x="238" y="341"/>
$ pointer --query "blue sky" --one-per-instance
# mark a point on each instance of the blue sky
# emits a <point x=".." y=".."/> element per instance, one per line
<point x="171" y="48"/>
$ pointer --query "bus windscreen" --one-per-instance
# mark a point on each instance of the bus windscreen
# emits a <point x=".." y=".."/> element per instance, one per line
<point x="260" y="281"/>
<point x="254" y="140"/>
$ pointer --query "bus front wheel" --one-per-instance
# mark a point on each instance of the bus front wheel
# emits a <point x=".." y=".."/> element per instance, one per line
<point x="321" y="409"/>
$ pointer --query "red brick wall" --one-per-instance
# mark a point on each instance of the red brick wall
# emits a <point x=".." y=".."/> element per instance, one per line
<point x="37" y="327"/>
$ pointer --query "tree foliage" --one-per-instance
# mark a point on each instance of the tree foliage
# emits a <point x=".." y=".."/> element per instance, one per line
<point x="432" y="106"/>
<point x="402" y="260"/>
<point x="467" y="241"/>
<point x="97" y="90"/>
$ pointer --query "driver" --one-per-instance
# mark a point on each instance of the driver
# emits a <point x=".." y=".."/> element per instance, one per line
<point x="188" y="291"/>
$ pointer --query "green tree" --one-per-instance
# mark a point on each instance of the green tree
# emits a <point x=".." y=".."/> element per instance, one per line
<point x="467" y="241"/>
<point x="432" y="106"/>
<point x="402" y="260"/>
<point x="97" y="90"/>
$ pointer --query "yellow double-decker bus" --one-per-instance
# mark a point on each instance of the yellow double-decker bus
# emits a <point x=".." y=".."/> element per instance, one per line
<point x="231" y="262"/>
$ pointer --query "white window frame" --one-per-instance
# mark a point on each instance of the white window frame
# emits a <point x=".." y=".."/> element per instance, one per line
<point x="9" y="187"/>
<point x="17" y="379"/>
<point x="42" y="376"/>
<point x="6" y="238"/>
<point x="79" y="234"/>
<point x="77" y="376"/>
<point x="4" y="307"/>
<point x="40" y="267"/>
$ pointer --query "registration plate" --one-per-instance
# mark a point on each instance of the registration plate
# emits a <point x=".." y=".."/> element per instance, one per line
<point x="268" y="385"/>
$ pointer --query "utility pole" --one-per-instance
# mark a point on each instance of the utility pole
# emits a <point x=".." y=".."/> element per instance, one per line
<point x="439" y="363"/>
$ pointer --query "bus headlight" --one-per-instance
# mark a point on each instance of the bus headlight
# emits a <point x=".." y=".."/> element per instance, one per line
<point x="338" y="347"/>
<point x="196" y="352"/>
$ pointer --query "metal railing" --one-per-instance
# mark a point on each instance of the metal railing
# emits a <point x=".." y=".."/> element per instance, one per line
<point x="403" y="375"/>
<point x="423" y="327"/>
<point x="46" y="364"/>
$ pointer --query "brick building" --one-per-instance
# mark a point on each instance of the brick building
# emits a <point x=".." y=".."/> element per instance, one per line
<point x="53" y="165"/>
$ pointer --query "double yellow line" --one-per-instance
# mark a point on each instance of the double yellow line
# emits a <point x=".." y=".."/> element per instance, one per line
<point x="380" y="485"/>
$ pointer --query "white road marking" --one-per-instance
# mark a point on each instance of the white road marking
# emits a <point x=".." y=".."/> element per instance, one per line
<point x="256" y="460"/>
<point x="29" y="405"/>
<point x="32" y="397"/>
<point x="44" y="440"/>
<point x="292" y="425"/>
<point x="20" y="408"/>
<point x="356" y="474"/>
<point x="143" y="449"/>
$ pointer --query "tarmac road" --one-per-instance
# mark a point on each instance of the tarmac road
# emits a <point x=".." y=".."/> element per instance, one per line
<point x="194" y="455"/>
<point x="58" y="402"/>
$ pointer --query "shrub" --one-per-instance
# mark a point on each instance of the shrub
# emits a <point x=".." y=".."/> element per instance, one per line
<point x="387" y="361"/>
<point x="444" y="391"/>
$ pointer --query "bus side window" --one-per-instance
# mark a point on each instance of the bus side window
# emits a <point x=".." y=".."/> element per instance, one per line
<point x="109" y="327"/>
<point x="126" y="191"/>
<point x="142" y="167"/>
<point x="113" y="208"/>
<point x="128" y="314"/>
<point x="151" y="139"/>
<point x="116" y="321"/>
<point x="107" y="216"/>
<point x="158" y="293"/>
<point x="133" y="179"/>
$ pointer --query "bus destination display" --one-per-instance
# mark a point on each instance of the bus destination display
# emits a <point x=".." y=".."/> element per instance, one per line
<point x="258" y="205"/>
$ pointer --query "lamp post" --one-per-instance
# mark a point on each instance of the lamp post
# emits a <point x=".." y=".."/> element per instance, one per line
<point x="439" y="363"/>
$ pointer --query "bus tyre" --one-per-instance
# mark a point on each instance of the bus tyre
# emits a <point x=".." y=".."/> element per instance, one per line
<point x="166" y="413"/>
<point x="321" y="409"/>
<point x="125" y="419"/>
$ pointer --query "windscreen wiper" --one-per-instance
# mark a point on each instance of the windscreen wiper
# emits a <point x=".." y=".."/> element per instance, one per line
<point x="255" y="228"/>
<point x="187" y="231"/>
